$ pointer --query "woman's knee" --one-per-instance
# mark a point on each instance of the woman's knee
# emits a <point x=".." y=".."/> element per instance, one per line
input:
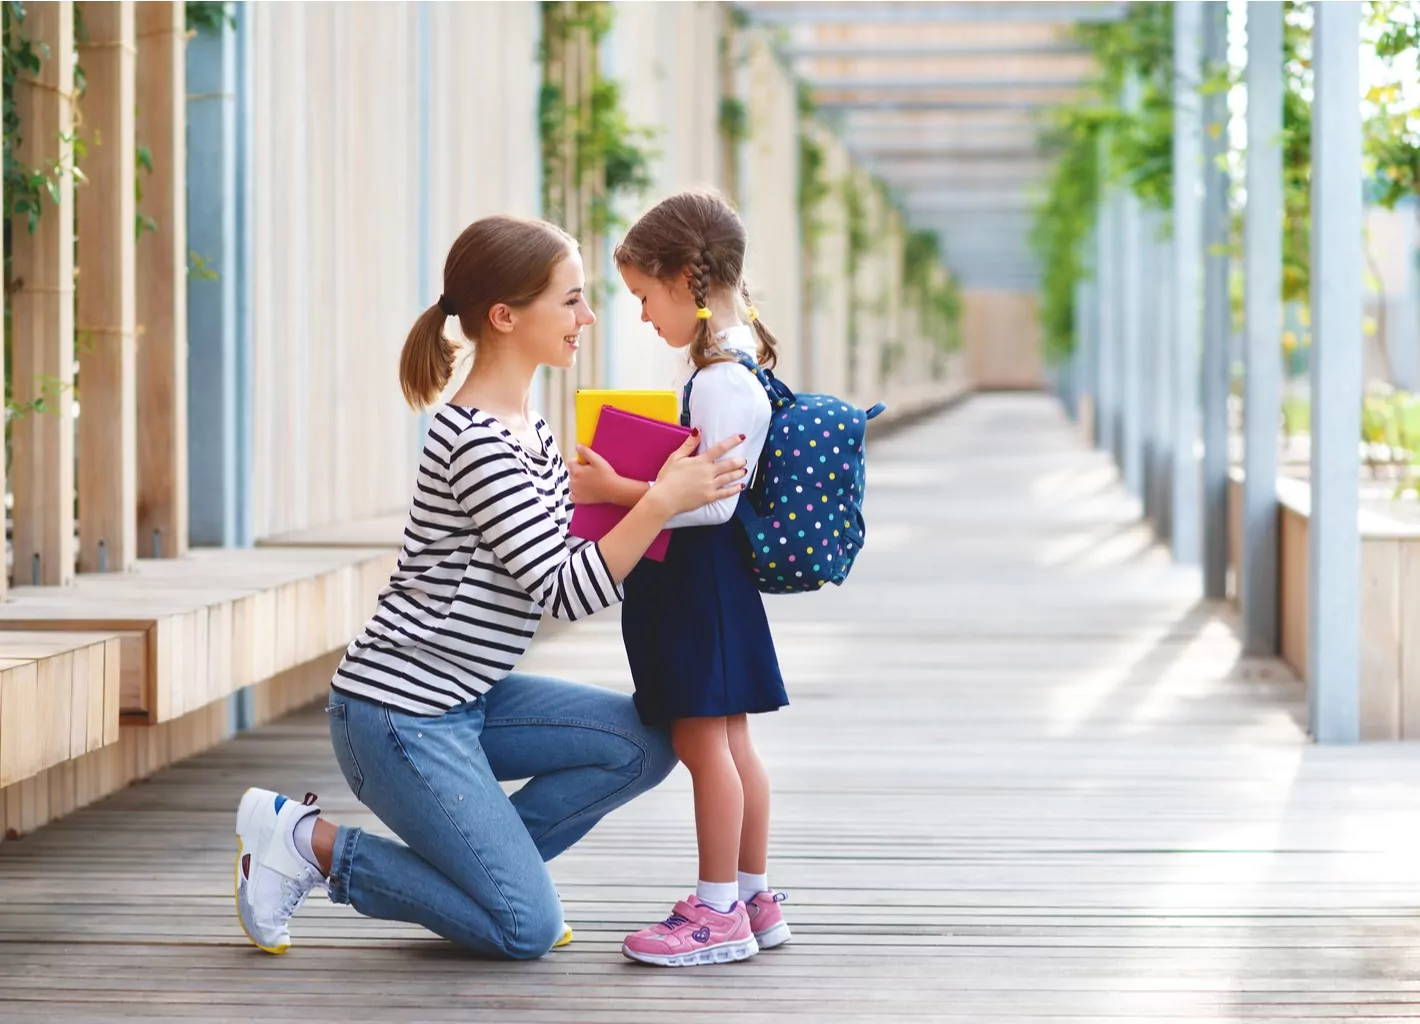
<point x="536" y="930"/>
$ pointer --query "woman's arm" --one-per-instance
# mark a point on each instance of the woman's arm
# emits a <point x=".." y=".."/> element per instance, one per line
<point x="495" y="490"/>
<point x="724" y="402"/>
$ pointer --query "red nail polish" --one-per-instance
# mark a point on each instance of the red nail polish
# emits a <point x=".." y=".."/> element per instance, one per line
<point x="742" y="437"/>
<point x="695" y="432"/>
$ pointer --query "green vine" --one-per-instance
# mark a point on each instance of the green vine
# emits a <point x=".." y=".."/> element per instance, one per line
<point x="209" y="17"/>
<point x="593" y="138"/>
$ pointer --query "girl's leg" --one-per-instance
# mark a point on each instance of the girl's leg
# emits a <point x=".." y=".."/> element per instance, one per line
<point x="703" y="745"/>
<point x="766" y="919"/>
<point x="714" y="927"/>
<point x="754" y="780"/>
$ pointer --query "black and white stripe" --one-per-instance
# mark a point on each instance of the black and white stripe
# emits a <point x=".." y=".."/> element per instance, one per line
<point x="486" y="552"/>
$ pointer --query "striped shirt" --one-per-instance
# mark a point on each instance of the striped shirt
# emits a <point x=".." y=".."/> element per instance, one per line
<point x="486" y="552"/>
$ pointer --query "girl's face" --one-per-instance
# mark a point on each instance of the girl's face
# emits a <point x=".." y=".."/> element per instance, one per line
<point x="667" y="306"/>
<point x="549" y="328"/>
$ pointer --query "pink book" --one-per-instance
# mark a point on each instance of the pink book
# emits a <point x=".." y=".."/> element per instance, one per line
<point x="637" y="448"/>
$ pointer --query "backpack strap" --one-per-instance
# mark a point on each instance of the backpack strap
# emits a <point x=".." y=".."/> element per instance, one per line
<point x="778" y="392"/>
<point x="685" y="400"/>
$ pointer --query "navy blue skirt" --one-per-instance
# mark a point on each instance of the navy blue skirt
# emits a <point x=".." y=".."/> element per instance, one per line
<point x="695" y="630"/>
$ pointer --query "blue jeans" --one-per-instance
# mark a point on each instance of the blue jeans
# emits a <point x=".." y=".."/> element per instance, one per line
<point x="471" y="867"/>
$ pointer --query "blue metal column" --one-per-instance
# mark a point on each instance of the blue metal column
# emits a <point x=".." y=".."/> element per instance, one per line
<point x="1108" y="357"/>
<point x="1262" y="394"/>
<point x="1187" y="270"/>
<point x="1129" y="337"/>
<point x="1333" y="619"/>
<point x="1160" y="337"/>
<point x="1217" y="312"/>
<point x="213" y="473"/>
<point x="1403" y="321"/>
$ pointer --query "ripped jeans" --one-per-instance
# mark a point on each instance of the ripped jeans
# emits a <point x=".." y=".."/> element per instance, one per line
<point x="471" y="867"/>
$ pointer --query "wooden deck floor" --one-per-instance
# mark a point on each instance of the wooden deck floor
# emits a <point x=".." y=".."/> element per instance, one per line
<point x="1024" y="777"/>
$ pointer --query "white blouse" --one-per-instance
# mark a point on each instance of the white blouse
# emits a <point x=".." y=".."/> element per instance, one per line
<point x="727" y="399"/>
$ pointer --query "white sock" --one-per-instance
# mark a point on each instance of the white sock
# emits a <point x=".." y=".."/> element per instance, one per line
<point x="305" y="828"/>
<point x="752" y="885"/>
<point x="719" y="896"/>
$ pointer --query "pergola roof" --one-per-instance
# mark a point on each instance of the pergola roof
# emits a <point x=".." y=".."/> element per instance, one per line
<point x="942" y="101"/>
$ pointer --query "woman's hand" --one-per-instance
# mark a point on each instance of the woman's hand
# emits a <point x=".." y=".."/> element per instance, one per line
<point x="685" y="482"/>
<point x="595" y="481"/>
<point x="688" y="481"/>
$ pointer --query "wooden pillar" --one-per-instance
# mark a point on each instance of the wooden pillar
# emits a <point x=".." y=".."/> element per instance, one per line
<point x="106" y="301"/>
<point x="1187" y="269"/>
<point x="1262" y="379"/>
<point x="43" y="313"/>
<point x="1333" y="588"/>
<point x="162" y="282"/>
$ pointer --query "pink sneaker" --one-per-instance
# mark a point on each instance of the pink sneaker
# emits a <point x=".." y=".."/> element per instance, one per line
<point x="766" y="920"/>
<point x="694" y="934"/>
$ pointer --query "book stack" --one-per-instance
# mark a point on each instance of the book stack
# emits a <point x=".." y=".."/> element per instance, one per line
<point x="635" y="431"/>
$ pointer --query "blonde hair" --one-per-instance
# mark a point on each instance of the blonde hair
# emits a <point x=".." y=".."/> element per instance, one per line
<point x="501" y="259"/>
<point x="696" y="233"/>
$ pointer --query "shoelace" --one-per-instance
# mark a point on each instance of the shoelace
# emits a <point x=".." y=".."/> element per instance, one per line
<point x="295" y="890"/>
<point x="675" y="920"/>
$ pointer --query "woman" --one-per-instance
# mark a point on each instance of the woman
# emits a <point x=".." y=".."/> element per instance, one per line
<point x="426" y="713"/>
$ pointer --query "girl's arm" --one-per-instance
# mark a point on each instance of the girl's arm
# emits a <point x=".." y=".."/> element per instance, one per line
<point x="724" y="402"/>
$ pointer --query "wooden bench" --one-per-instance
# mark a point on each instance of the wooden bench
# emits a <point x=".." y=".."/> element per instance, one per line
<point x="193" y="630"/>
<point x="1389" y="591"/>
<point x="58" y="699"/>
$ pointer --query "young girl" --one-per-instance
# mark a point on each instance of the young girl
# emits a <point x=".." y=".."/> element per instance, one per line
<point x="696" y="635"/>
<point x="428" y="712"/>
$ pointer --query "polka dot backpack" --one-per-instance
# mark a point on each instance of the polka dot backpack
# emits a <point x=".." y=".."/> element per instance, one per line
<point x="804" y="513"/>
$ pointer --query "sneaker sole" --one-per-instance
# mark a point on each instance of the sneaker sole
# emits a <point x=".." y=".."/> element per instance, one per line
<point x="775" y="936"/>
<point x="244" y="812"/>
<point x="724" y="953"/>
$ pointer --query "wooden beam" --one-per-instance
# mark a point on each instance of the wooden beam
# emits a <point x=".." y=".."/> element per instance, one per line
<point x="162" y="282"/>
<point x="43" y="311"/>
<point x="107" y="298"/>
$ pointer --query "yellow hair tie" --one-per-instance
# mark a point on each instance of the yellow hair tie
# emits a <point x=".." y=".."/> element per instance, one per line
<point x="702" y="313"/>
<point x="752" y="313"/>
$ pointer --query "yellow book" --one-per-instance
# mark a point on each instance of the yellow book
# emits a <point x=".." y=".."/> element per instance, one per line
<point x="655" y="405"/>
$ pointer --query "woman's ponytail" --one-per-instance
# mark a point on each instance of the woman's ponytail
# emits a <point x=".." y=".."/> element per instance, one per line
<point x="427" y="360"/>
<point x="497" y="259"/>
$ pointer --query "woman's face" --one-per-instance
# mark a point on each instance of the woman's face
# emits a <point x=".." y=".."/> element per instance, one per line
<point x="667" y="306"/>
<point x="549" y="328"/>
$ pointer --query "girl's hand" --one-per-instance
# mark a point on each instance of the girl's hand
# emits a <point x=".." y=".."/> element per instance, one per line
<point x="688" y="481"/>
<point x="592" y="483"/>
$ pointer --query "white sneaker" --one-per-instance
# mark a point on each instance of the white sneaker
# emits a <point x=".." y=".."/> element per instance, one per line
<point x="272" y="878"/>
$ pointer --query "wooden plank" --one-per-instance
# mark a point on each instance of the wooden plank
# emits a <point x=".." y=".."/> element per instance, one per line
<point x="43" y="313"/>
<point x="107" y="299"/>
<point x="1067" y="797"/>
<point x="1380" y="684"/>
<point x="264" y="610"/>
<point x="162" y="281"/>
<point x="19" y="709"/>
<point x="1292" y="568"/>
<point x="1409" y="635"/>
